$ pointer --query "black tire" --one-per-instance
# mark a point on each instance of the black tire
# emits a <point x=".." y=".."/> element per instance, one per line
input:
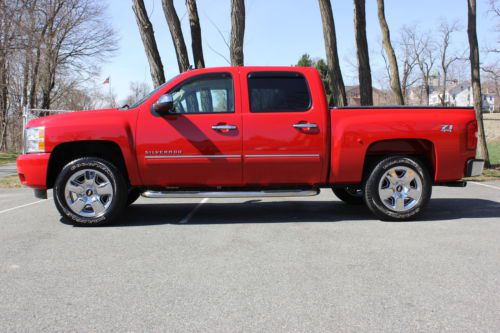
<point x="133" y="195"/>
<point x="118" y="183"/>
<point x="350" y="195"/>
<point x="372" y="195"/>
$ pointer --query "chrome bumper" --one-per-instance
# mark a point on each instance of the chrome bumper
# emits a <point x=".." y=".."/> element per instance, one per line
<point x="474" y="168"/>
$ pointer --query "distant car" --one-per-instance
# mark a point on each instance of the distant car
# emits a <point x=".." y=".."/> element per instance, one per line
<point x="247" y="132"/>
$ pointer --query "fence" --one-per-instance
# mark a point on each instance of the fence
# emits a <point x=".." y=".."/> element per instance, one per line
<point x="29" y="114"/>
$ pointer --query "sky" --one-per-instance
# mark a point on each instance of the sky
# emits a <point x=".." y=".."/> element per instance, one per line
<point x="277" y="32"/>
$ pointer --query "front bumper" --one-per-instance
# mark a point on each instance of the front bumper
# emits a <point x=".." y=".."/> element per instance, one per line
<point x="474" y="168"/>
<point x="32" y="170"/>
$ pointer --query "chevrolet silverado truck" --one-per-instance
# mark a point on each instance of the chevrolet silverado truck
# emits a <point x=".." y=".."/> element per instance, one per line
<point x="247" y="132"/>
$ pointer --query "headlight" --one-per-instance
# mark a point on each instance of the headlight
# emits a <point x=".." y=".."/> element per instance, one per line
<point x="34" y="140"/>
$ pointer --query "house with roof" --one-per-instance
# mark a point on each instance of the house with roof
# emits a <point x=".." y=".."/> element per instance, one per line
<point x="461" y="94"/>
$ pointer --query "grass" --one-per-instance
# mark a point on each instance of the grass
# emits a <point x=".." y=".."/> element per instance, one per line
<point x="488" y="174"/>
<point x="6" y="158"/>
<point x="494" y="150"/>
<point x="10" y="182"/>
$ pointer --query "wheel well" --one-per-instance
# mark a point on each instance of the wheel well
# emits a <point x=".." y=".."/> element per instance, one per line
<point x="67" y="152"/>
<point x="421" y="149"/>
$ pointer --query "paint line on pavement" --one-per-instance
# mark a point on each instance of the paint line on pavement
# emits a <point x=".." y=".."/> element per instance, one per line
<point x="195" y="209"/>
<point x="486" y="185"/>
<point x="22" y="206"/>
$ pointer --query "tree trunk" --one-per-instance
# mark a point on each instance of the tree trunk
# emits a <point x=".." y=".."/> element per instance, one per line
<point x="237" y="32"/>
<point x="391" y="55"/>
<point x="196" y="44"/>
<point x="3" y="101"/>
<point x="443" y="88"/>
<point x="34" y="80"/>
<point x="427" y="91"/>
<point x="174" y="26"/>
<point x="364" y="71"/>
<point x="332" y="57"/>
<point x="476" y="79"/>
<point x="149" y="42"/>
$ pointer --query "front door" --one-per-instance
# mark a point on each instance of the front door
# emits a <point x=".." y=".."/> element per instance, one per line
<point x="199" y="144"/>
<point x="284" y="136"/>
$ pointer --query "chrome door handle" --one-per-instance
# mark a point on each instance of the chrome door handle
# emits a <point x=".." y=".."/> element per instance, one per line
<point x="224" y="127"/>
<point x="305" y="125"/>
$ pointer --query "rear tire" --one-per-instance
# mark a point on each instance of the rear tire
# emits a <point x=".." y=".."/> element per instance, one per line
<point x="90" y="191"/>
<point x="398" y="188"/>
<point x="350" y="195"/>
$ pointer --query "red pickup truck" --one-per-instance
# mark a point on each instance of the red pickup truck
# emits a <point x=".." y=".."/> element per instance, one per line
<point x="247" y="132"/>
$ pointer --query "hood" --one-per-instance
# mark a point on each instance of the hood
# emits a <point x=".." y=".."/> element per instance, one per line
<point x="72" y="117"/>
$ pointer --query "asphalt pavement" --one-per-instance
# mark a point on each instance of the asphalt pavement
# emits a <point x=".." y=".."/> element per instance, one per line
<point x="8" y="170"/>
<point x="273" y="265"/>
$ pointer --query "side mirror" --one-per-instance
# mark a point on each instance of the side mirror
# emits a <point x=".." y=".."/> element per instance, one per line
<point x="164" y="105"/>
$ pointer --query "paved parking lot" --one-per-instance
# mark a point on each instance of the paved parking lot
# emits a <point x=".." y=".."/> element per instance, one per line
<point x="300" y="265"/>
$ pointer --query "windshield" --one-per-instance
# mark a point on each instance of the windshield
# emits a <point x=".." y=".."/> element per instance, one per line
<point x="142" y="100"/>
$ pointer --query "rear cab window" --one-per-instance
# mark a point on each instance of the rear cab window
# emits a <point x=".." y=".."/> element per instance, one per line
<point x="278" y="92"/>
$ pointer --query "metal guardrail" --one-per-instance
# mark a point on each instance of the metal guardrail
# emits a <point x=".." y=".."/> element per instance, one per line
<point x="30" y="114"/>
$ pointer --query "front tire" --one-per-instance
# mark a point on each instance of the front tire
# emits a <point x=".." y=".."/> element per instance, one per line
<point x="90" y="192"/>
<point x="398" y="189"/>
<point x="133" y="195"/>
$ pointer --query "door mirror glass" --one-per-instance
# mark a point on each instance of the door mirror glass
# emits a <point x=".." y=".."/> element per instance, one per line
<point x="164" y="105"/>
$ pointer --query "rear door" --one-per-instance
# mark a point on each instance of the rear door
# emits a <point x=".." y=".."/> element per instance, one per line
<point x="284" y="134"/>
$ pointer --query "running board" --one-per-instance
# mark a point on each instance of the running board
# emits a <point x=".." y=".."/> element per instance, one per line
<point x="230" y="194"/>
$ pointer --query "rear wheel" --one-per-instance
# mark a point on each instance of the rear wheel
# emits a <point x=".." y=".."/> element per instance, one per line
<point x="398" y="188"/>
<point x="90" y="191"/>
<point x="350" y="194"/>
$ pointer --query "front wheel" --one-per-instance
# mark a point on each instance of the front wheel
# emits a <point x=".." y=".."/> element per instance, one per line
<point x="133" y="195"/>
<point x="398" y="188"/>
<point x="90" y="191"/>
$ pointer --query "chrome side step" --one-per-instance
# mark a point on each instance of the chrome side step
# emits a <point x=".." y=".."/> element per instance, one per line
<point x="230" y="194"/>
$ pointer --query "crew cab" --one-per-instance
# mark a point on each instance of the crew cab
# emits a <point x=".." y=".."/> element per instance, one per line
<point x="247" y="132"/>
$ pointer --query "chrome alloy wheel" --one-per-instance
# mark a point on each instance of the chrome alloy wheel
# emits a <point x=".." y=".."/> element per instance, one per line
<point x="400" y="189"/>
<point x="89" y="193"/>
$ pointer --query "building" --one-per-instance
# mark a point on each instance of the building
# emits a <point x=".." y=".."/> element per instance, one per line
<point x="460" y="94"/>
<point x="380" y="97"/>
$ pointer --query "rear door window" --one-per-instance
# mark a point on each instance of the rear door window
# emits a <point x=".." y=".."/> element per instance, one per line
<point x="278" y="92"/>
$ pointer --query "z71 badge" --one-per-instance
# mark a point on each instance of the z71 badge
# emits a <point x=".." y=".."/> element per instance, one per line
<point x="447" y="128"/>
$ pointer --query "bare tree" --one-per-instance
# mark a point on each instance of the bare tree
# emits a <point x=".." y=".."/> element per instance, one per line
<point x="174" y="26"/>
<point x="492" y="73"/>
<point x="149" y="42"/>
<point x="77" y="31"/>
<point x="494" y="9"/>
<point x="196" y="43"/>
<point x="364" y="71"/>
<point x="424" y="49"/>
<point x="48" y="50"/>
<point x="408" y="63"/>
<point x="476" y="78"/>
<point x="7" y="44"/>
<point x="332" y="58"/>
<point x="137" y="91"/>
<point x="446" y="30"/>
<point x="391" y="55"/>
<point x="237" y="32"/>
